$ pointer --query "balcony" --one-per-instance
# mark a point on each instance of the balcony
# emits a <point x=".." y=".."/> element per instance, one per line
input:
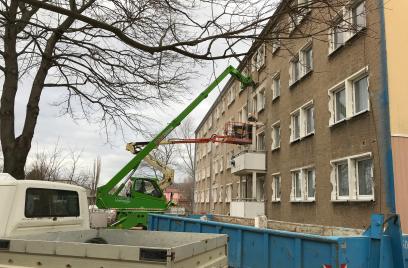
<point x="248" y="162"/>
<point x="247" y="208"/>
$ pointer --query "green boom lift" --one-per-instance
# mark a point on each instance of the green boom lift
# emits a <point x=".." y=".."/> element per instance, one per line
<point x="145" y="195"/>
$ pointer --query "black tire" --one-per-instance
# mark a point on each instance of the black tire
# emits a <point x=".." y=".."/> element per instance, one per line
<point x="96" y="240"/>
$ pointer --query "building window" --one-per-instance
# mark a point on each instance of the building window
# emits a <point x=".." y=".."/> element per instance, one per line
<point x="303" y="185"/>
<point x="360" y="93"/>
<point x="300" y="10"/>
<point x="353" y="178"/>
<point x="358" y="17"/>
<point x="337" y="35"/>
<point x="254" y="105"/>
<point x="229" y="159"/>
<point x="276" y="86"/>
<point x="342" y="179"/>
<point x="307" y="59"/>
<point x="340" y="104"/>
<point x="221" y="164"/>
<point x="260" y="100"/>
<point x="260" y="142"/>
<point x="243" y="114"/>
<point x="297" y="185"/>
<point x="258" y="59"/>
<point x="207" y="195"/>
<point x="228" y="193"/>
<point x="231" y="95"/>
<point x="276" y="187"/>
<point x="276" y="136"/>
<point x="221" y="194"/>
<point x="350" y="21"/>
<point x="295" y="126"/>
<point x="365" y="177"/>
<point x="309" y="120"/>
<point x="294" y="70"/>
<point x="301" y="64"/>
<point x="215" y="194"/>
<point x="310" y="184"/>
<point x="276" y="42"/>
<point x="350" y="97"/>
<point x="302" y="122"/>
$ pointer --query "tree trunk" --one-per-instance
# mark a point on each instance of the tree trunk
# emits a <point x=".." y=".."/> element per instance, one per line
<point x="7" y="130"/>
<point x="14" y="162"/>
<point x="15" y="150"/>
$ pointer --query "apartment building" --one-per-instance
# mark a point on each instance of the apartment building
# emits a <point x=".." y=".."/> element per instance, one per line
<point x="329" y="142"/>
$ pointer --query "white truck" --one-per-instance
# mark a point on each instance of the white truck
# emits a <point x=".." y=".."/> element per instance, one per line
<point x="46" y="224"/>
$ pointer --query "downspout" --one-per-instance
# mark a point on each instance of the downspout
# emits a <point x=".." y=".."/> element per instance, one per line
<point x="384" y="115"/>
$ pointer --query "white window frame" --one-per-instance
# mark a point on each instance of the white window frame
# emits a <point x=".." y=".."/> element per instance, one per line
<point x="352" y="179"/>
<point x="217" y="112"/>
<point x="353" y="6"/>
<point x="223" y="105"/>
<point x="221" y="194"/>
<point x="298" y="61"/>
<point x="348" y="84"/>
<point x="231" y="95"/>
<point x="340" y="26"/>
<point x="293" y="197"/>
<point x="254" y="104"/>
<point x="215" y="194"/>
<point x="276" y="127"/>
<point x="294" y="63"/>
<point x="303" y="171"/>
<point x="260" y="57"/>
<point x="276" y="42"/>
<point x="207" y="195"/>
<point x="261" y="133"/>
<point x="229" y="157"/>
<point x="261" y="100"/>
<point x="304" y="69"/>
<point x="276" y="197"/>
<point x="345" y="21"/>
<point x="304" y="119"/>
<point x="306" y="170"/>
<point x="276" y="86"/>
<point x="228" y="193"/>
<point x="301" y="112"/>
<point x="244" y="113"/>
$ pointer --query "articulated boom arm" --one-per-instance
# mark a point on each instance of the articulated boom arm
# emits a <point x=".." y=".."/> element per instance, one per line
<point x="135" y="162"/>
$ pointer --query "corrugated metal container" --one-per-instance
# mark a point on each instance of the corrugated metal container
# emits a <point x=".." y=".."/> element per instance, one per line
<point x="250" y="247"/>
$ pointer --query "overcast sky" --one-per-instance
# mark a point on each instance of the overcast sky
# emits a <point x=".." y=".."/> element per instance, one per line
<point x="82" y="136"/>
<point x="79" y="135"/>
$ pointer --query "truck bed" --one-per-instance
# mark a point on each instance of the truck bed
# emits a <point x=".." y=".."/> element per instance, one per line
<point x="119" y="248"/>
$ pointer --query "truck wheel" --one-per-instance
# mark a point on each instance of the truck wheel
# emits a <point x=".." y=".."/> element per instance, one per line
<point x="96" y="240"/>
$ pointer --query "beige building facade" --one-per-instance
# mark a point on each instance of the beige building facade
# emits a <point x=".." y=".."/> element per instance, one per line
<point x="321" y="150"/>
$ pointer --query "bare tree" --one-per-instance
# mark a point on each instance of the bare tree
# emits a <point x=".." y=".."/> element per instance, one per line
<point x="58" y="164"/>
<point x="112" y="59"/>
<point x="47" y="165"/>
<point x="186" y="151"/>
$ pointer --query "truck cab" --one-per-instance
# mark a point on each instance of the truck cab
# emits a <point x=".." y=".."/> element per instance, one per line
<point x="30" y="206"/>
